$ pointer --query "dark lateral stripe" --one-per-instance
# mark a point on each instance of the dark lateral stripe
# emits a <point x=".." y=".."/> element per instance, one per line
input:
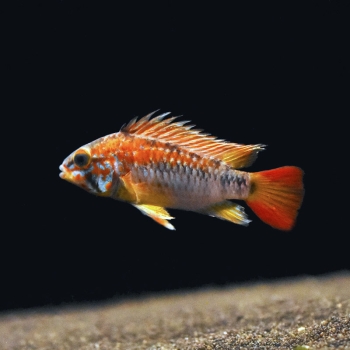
<point x="228" y="179"/>
<point x="241" y="180"/>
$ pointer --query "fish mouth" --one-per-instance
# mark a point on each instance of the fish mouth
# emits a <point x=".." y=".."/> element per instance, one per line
<point x="62" y="174"/>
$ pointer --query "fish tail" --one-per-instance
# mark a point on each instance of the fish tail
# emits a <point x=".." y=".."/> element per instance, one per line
<point x="276" y="196"/>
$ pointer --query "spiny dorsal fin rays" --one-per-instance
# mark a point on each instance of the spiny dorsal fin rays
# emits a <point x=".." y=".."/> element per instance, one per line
<point x="153" y="123"/>
<point x="173" y="132"/>
<point x="158" y="128"/>
<point x="135" y="126"/>
<point x="150" y="129"/>
<point x="134" y="120"/>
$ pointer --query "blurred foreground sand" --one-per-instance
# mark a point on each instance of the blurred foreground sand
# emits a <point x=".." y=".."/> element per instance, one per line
<point x="284" y="315"/>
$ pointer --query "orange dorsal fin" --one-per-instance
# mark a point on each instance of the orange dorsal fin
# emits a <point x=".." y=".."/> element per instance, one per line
<point x="166" y="130"/>
<point x="276" y="195"/>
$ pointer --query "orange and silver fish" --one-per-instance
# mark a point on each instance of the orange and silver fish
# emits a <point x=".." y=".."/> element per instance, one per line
<point x="157" y="163"/>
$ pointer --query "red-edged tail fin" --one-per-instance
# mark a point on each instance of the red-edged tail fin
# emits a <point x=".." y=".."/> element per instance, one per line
<point x="276" y="196"/>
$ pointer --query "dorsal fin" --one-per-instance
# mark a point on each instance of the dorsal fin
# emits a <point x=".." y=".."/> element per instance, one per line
<point x="194" y="140"/>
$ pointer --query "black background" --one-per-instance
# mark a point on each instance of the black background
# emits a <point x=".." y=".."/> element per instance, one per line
<point x="249" y="72"/>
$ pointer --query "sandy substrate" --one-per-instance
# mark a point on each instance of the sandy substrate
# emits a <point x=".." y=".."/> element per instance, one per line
<point x="311" y="312"/>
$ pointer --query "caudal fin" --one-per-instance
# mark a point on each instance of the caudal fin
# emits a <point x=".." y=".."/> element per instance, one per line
<point x="276" y="196"/>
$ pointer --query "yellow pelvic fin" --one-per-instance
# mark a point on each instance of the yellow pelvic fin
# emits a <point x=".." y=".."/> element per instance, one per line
<point x="228" y="211"/>
<point x="156" y="213"/>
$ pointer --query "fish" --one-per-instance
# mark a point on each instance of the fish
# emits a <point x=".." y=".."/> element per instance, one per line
<point x="157" y="163"/>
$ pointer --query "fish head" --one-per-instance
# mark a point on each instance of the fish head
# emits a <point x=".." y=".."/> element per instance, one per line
<point x="85" y="169"/>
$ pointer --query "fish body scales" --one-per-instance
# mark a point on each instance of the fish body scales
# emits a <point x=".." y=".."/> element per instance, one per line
<point x="156" y="163"/>
<point x="179" y="178"/>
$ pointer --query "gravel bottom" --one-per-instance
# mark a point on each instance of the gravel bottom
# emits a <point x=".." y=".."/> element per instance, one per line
<point x="291" y="314"/>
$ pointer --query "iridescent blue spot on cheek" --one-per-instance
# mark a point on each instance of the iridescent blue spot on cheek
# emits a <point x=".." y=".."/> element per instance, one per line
<point x="101" y="166"/>
<point x="102" y="183"/>
<point x="108" y="165"/>
<point x="75" y="173"/>
<point x="109" y="177"/>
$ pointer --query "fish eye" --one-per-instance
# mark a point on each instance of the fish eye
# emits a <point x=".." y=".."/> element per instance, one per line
<point x="81" y="158"/>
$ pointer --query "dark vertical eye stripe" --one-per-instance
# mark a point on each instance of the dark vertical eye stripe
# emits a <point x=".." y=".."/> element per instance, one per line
<point x="89" y="178"/>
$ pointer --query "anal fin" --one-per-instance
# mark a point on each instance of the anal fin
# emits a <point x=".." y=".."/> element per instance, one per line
<point x="156" y="213"/>
<point x="227" y="210"/>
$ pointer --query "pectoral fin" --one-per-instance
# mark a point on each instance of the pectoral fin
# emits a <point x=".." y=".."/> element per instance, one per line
<point x="126" y="191"/>
<point x="142" y="192"/>
<point x="156" y="213"/>
<point x="228" y="211"/>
